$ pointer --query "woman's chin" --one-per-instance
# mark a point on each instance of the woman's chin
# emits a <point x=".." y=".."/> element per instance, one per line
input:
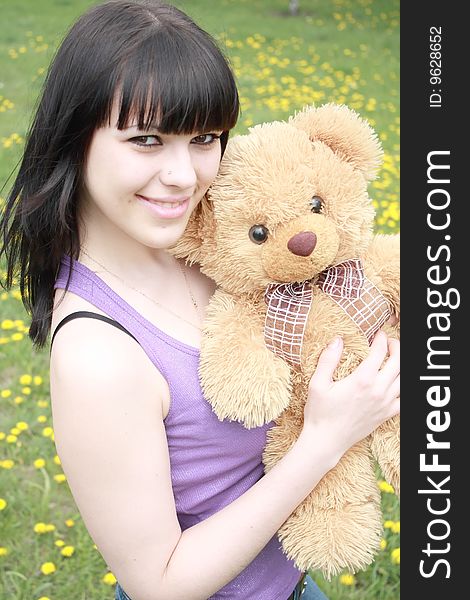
<point x="167" y="236"/>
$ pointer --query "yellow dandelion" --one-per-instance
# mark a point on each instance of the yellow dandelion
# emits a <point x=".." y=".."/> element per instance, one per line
<point x="3" y="551"/>
<point x="395" y="527"/>
<point x="42" y="403"/>
<point x="15" y="431"/>
<point x="386" y="487"/>
<point x="37" y="380"/>
<point x="16" y="337"/>
<point x="43" y="598"/>
<point x="47" y="432"/>
<point x="18" y="400"/>
<point x="42" y="419"/>
<point x="109" y="579"/>
<point x="26" y="391"/>
<point x="383" y="544"/>
<point x="39" y="463"/>
<point x="47" y="568"/>
<point x="388" y="524"/>
<point x="59" y="543"/>
<point x="395" y="556"/>
<point x="44" y="527"/>
<point x="67" y="551"/>
<point x="11" y="439"/>
<point x="69" y="522"/>
<point x="40" y="528"/>
<point x="347" y="579"/>
<point x="3" y="504"/>
<point x="22" y="426"/>
<point x="7" y="463"/>
<point x="7" y="324"/>
<point x="26" y="379"/>
<point x="2" y="435"/>
<point x="57" y="460"/>
<point x="60" y="478"/>
<point x="5" y="393"/>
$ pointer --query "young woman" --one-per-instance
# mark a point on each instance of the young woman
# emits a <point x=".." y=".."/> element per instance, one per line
<point x="128" y="136"/>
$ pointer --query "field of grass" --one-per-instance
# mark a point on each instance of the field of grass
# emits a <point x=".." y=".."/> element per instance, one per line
<point x="344" y="51"/>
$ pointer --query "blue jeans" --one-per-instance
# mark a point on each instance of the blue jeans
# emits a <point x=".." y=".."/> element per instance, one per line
<point x="120" y="593"/>
<point x="309" y="591"/>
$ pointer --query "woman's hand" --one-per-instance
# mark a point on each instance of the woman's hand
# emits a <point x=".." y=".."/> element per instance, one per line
<point x="348" y="410"/>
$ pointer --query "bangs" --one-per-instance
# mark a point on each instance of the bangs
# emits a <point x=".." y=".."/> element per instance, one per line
<point x="175" y="84"/>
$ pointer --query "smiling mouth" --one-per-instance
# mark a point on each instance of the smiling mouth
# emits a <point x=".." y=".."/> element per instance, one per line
<point x="165" y="203"/>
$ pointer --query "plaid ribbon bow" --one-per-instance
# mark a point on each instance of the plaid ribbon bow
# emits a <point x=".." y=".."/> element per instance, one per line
<point x="289" y="305"/>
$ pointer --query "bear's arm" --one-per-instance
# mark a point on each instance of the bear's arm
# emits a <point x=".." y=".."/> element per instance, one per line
<point x="382" y="261"/>
<point x="240" y="377"/>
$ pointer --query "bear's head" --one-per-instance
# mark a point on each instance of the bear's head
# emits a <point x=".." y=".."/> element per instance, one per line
<point x="290" y="200"/>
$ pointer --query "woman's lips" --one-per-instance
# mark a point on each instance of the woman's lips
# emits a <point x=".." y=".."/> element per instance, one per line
<point x="167" y="208"/>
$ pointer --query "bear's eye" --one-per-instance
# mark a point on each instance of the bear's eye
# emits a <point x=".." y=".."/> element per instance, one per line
<point x="258" y="234"/>
<point x="316" y="204"/>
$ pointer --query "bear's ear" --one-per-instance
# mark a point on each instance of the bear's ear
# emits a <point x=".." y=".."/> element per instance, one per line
<point x="199" y="235"/>
<point x="345" y="132"/>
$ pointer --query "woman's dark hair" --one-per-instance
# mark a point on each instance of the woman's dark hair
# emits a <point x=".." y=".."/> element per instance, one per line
<point x="167" y="72"/>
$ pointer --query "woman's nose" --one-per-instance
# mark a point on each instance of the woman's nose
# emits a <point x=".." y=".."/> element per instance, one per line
<point x="179" y="171"/>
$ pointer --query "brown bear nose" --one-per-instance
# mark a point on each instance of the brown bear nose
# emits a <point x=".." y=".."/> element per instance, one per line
<point x="302" y="244"/>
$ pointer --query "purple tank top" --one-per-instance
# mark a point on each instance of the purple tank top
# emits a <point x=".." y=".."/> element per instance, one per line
<point x="212" y="462"/>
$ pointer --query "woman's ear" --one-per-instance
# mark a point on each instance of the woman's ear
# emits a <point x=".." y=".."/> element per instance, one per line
<point x="199" y="234"/>
<point x="345" y="132"/>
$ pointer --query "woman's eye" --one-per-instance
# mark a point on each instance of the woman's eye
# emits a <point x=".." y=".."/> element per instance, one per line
<point x="205" y="139"/>
<point x="146" y="141"/>
<point x="316" y="204"/>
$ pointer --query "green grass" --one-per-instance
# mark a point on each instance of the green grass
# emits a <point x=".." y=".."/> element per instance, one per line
<point x="344" y="51"/>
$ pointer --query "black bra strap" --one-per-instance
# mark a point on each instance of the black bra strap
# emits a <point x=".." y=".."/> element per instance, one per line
<point x="86" y="313"/>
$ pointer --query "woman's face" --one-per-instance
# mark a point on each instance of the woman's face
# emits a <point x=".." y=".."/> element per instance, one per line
<point x="146" y="184"/>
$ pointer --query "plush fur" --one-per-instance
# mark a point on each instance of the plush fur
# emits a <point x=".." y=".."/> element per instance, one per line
<point x="268" y="177"/>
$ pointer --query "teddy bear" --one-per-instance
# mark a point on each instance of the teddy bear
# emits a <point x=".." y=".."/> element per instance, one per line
<point x="286" y="232"/>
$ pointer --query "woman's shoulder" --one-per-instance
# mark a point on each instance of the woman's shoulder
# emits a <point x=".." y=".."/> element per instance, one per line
<point x="83" y="340"/>
<point x="88" y="349"/>
<point x="66" y="303"/>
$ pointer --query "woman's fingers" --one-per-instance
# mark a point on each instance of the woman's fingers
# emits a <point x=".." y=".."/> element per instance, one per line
<point x="376" y="356"/>
<point x="394" y="389"/>
<point x="327" y="362"/>
<point x="394" y="347"/>
<point x="391" y="368"/>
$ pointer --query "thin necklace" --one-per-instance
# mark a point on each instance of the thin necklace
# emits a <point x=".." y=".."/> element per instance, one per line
<point x="193" y="300"/>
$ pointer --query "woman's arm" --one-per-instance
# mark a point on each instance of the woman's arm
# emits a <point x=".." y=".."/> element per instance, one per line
<point x="109" y="432"/>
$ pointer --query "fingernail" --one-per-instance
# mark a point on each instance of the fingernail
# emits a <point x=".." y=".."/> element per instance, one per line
<point x="334" y="343"/>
